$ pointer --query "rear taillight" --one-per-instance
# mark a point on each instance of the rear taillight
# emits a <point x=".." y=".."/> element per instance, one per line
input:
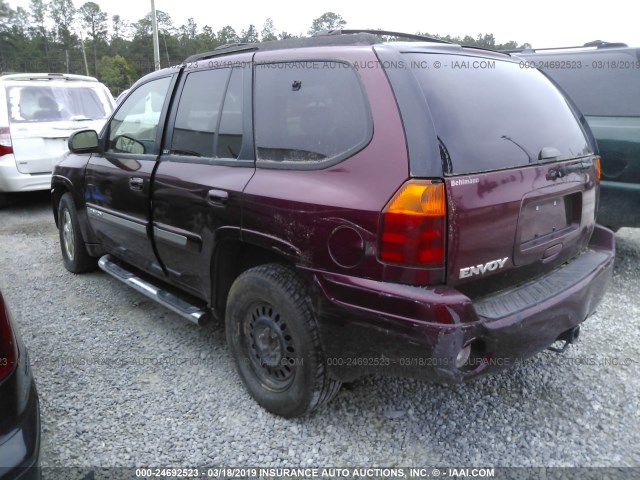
<point x="5" y="141"/>
<point x="8" y="347"/>
<point x="414" y="225"/>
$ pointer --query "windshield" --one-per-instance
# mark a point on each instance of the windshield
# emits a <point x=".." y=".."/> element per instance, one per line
<point x="491" y="114"/>
<point x="46" y="103"/>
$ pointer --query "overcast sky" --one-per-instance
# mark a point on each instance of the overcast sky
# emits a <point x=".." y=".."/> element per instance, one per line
<point x="543" y="23"/>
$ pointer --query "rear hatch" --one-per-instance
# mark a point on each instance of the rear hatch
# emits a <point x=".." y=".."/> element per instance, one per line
<point x="43" y="113"/>
<point x="520" y="172"/>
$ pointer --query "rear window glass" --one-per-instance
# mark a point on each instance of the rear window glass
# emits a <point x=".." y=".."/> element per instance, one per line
<point x="602" y="83"/>
<point x="492" y="114"/>
<point x="309" y="112"/>
<point x="46" y="103"/>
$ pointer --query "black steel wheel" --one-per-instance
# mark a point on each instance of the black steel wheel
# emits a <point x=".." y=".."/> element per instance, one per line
<point x="272" y="353"/>
<point x="273" y="338"/>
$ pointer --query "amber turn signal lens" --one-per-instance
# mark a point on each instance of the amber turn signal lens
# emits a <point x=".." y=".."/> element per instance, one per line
<point x="596" y="162"/>
<point x="419" y="198"/>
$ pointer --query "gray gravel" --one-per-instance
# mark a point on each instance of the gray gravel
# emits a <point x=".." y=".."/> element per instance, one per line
<point x="124" y="382"/>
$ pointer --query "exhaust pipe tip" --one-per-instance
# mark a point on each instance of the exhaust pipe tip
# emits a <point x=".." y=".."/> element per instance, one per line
<point x="568" y="337"/>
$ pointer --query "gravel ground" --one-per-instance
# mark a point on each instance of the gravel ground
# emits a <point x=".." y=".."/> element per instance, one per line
<point x="124" y="382"/>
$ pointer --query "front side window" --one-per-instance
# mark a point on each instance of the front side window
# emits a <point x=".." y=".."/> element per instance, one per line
<point x="134" y="127"/>
<point x="309" y="112"/>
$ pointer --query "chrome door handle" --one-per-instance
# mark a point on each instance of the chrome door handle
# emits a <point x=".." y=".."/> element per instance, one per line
<point x="218" y="197"/>
<point x="136" y="183"/>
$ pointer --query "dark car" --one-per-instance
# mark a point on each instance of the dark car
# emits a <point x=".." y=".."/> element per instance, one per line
<point x="603" y="79"/>
<point x="347" y="206"/>
<point x="19" y="405"/>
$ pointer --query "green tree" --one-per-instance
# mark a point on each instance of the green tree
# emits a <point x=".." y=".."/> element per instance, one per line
<point x="95" y="21"/>
<point x="227" y="35"/>
<point x="286" y="36"/>
<point x="38" y="19"/>
<point x="327" y="21"/>
<point x="142" y="44"/>
<point x="268" y="32"/>
<point x="62" y="14"/>
<point x="7" y="41"/>
<point x="119" y="27"/>
<point x="117" y="74"/>
<point x="250" y="35"/>
<point x="6" y="15"/>
<point x="481" y="41"/>
<point x="188" y="37"/>
<point x="21" y="21"/>
<point x="144" y="25"/>
<point x="207" y="40"/>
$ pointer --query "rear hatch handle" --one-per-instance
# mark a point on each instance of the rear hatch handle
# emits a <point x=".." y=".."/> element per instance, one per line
<point x="562" y="171"/>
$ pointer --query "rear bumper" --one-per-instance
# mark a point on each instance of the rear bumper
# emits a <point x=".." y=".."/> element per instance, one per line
<point x="11" y="180"/>
<point x="376" y="327"/>
<point x="619" y="204"/>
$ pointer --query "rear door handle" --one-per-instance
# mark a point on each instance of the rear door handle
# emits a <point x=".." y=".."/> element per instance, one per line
<point x="218" y="197"/>
<point x="136" y="183"/>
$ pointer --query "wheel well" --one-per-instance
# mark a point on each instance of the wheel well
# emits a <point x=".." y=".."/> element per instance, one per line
<point x="230" y="260"/>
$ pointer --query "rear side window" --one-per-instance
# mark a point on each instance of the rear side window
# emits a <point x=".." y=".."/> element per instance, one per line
<point x="47" y="103"/>
<point x="492" y="114"/>
<point x="309" y="112"/>
<point x="209" y="116"/>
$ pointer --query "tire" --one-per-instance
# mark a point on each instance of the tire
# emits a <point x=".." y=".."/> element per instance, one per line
<point x="74" y="253"/>
<point x="273" y="338"/>
<point x="4" y="200"/>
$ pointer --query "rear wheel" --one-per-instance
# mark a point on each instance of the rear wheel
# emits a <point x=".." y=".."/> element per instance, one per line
<point x="74" y="253"/>
<point x="274" y="341"/>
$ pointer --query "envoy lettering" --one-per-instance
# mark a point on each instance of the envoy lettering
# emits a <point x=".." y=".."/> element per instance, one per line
<point x="482" y="269"/>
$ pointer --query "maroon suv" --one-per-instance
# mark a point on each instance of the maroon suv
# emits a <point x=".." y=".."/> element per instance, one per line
<point x="347" y="206"/>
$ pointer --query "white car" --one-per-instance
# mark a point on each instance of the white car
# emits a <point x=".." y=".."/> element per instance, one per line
<point x="38" y="112"/>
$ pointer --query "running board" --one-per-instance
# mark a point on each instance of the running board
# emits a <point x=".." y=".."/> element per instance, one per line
<point x="163" y="297"/>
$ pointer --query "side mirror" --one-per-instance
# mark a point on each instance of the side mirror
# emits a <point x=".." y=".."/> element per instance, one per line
<point x="83" y="141"/>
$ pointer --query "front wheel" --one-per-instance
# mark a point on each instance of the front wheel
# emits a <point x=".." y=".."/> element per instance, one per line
<point x="274" y="341"/>
<point x="74" y="253"/>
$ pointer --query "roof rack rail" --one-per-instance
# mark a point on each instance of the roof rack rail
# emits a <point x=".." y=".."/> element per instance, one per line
<point x="484" y="49"/>
<point x="601" y="44"/>
<point x="595" y="43"/>
<point x="231" y="45"/>
<point x="222" y="50"/>
<point x="380" y="32"/>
